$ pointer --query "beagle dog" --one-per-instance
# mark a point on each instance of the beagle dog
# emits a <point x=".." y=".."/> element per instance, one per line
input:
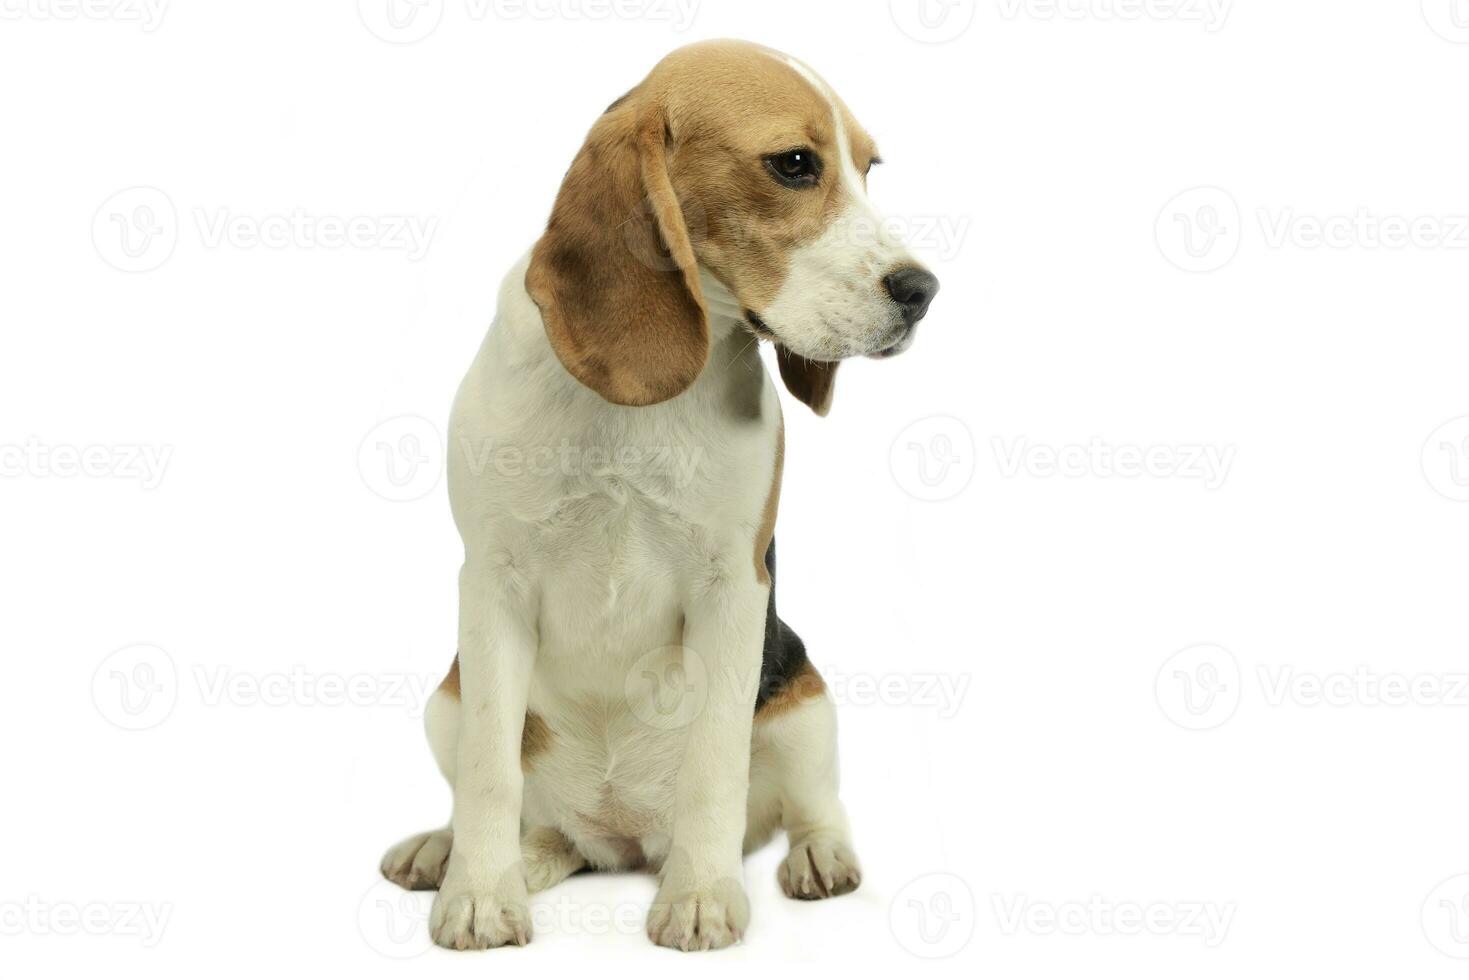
<point x="624" y="694"/>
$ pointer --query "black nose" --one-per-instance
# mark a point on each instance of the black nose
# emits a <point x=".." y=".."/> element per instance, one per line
<point x="912" y="289"/>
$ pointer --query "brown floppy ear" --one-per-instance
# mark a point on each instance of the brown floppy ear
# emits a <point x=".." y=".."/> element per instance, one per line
<point x="810" y="381"/>
<point x="614" y="275"/>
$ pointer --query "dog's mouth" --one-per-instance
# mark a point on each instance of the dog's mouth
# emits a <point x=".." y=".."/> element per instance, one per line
<point x="893" y="348"/>
<point x="759" y="326"/>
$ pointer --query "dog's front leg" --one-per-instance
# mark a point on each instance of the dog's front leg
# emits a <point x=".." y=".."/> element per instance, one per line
<point x="701" y="900"/>
<point x="482" y="900"/>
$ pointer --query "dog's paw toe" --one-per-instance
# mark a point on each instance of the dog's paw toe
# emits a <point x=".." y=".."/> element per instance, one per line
<point x="699" y="918"/>
<point x="418" y="862"/>
<point x="465" y="920"/>
<point x="819" y="868"/>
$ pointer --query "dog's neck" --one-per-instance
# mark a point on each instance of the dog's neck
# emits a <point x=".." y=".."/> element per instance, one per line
<point x="726" y="315"/>
<point x="734" y="348"/>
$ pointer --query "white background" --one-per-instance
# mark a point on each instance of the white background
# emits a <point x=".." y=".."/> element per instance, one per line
<point x="1081" y="768"/>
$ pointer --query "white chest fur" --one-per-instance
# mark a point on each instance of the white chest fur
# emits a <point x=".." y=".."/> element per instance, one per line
<point x="606" y="517"/>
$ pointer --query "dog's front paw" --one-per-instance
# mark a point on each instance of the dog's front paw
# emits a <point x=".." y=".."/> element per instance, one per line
<point x="819" y="868"/>
<point x="702" y="917"/>
<point x="470" y="918"/>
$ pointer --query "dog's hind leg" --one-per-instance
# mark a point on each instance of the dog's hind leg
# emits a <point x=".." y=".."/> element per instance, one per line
<point x="549" y="857"/>
<point x="794" y="769"/>
<point x="418" y="862"/>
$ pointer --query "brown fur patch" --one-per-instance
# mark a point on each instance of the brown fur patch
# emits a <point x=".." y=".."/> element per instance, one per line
<point x="450" y="684"/>
<point x="623" y="315"/>
<point x="772" y="506"/>
<point x="535" y="736"/>
<point x="813" y="382"/>
<point x="802" y="688"/>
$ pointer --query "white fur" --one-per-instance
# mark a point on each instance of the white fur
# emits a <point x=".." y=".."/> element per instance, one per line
<point x="607" y="545"/>
<point x="582" y="576"/>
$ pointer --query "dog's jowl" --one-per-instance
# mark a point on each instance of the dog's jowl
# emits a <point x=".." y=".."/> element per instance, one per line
<point x="624" y="693"/>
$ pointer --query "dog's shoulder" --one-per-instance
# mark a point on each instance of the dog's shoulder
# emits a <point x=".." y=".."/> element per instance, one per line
<point x="531" y="446"/>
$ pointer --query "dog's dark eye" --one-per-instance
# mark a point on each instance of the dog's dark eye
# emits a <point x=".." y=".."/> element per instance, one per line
<point x="795" y="168"/>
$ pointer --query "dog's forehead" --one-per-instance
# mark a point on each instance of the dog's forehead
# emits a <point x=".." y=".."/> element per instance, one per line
<point x="756" y="94"/>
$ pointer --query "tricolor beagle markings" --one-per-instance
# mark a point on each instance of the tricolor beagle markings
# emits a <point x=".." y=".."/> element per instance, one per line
<point x="724" y="197"/>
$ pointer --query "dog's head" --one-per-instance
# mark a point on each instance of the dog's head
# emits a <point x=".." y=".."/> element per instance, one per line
<point x="739" y="161"/>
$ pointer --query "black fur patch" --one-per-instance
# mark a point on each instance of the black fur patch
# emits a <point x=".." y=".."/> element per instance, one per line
<point x="784" y="655"/>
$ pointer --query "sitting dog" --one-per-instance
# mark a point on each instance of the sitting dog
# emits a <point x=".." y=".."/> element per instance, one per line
<point x="614" y="468"/>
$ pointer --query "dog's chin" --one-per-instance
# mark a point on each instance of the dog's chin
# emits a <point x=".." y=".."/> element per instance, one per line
<point x="895" y="347"/>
